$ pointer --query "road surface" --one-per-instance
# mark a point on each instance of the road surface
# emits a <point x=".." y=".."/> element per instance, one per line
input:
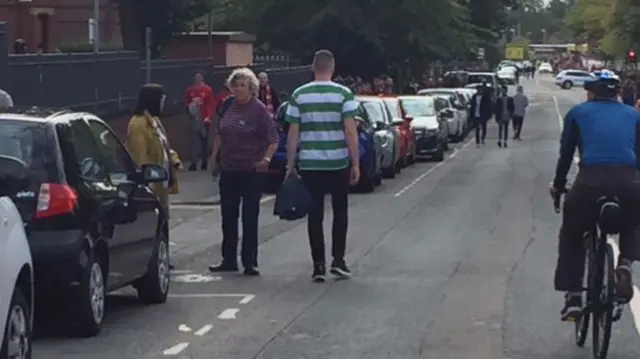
<point x="451" y="261"/>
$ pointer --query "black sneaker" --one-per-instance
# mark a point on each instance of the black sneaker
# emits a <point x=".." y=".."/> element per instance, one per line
<point x="340" y="270"/>
<point x="319" y="273"/>
<point x="204" y="166"/>
<point x="572" y="307"/>
<point x="223" y="267"/>
<point x="505" y="144"/>
<point x="193" y="167"/>
<point x="499" y="144"/>
<point x="251" y="271"/>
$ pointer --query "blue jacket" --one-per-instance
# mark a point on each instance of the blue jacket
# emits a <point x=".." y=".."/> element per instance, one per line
<point x="604" y="131"/>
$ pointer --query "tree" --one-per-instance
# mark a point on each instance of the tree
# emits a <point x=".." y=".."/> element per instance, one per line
<point x="164" y="17"/>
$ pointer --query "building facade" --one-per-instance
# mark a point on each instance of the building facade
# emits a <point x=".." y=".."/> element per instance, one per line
<point x="49" y="24"/>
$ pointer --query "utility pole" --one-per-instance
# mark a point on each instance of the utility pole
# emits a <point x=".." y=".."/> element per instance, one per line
<point x="96" y="24"/>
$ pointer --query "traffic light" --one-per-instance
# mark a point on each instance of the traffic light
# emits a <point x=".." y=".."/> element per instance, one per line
<point x="631" y="56"/>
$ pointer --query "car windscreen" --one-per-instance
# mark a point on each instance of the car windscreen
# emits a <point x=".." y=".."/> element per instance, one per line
<point x="418" y="107"/>
<point x="374" y="110"/>
<point x="479" y="79"/>
<point x="392" y="105"/>
<point x="34" y="143"/>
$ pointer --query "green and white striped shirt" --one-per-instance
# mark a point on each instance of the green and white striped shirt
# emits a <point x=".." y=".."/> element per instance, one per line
<point x="320" y="107"/>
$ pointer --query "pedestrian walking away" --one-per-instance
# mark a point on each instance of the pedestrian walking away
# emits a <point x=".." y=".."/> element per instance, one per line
<point x="201" y="103"/>
<point x="246" y="139"/>
<point x="481" y="111"/>
<point x="504" y="112"/>
<point x="321" y="117"/>
<point x="520" y="104"/>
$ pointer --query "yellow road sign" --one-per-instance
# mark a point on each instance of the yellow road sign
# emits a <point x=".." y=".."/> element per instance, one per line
<point x="514" y="52"/>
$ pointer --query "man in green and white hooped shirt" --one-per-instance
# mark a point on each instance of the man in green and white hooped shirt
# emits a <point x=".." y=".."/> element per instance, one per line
<point x="321" y="116"/>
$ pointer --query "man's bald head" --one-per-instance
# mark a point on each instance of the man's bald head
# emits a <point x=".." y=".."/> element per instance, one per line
<point x="323" y="62"/>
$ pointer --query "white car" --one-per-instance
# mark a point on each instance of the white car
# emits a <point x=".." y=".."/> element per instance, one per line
<point x="507" y="75"/>
<point x="16" y="269"/>
<point x="451" y="101"/>
<point x="570" y="78"/>
<point x="545" y="68"/>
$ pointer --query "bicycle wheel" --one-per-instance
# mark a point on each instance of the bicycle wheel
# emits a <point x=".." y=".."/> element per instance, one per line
<point x="582" y="324"/>
<point x="603" y="311"/>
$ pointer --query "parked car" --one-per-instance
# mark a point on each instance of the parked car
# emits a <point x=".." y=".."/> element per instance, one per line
<point x="370" y="152"/>
<point x="568" y="78"/>
<point x="457" y="120"/>
<point x="16" y="283"/>
<point x="545" y="68"/>
<point x="489" y="78"/>
<point x="403" y="124"/>
<point x="94" y="225"/>
<point x="430" y="130"/>
<point x="386" y="132"/>
<point x="461" y="109"/>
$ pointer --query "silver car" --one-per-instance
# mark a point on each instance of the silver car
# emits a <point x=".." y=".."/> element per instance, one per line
<point x="386" y="133"/>
<point x="460" y="107"/>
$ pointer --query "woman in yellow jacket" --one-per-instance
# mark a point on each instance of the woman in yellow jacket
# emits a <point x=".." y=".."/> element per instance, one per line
<point x="148" y="143"/>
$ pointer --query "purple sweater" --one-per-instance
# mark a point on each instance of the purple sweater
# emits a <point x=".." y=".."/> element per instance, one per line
<point x="246" y="130"/>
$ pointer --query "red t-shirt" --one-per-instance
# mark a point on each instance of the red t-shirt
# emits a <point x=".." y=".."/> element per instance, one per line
<point x="206" y="95"/>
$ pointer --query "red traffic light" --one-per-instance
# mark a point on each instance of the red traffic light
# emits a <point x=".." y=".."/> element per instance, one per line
<point x="632" y="54"/>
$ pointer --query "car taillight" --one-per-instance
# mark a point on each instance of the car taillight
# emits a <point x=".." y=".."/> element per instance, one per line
<point x="55" y="199"/>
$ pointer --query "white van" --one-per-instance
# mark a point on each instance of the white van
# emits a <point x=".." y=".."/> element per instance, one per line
<point x="16" y="269"/>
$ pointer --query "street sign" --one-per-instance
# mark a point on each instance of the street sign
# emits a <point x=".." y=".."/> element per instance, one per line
<point x="514" y="52"/>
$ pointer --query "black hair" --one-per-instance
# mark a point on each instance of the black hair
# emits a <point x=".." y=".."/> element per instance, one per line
<point x="150" y="100"/>
<point x="198" y="71"/>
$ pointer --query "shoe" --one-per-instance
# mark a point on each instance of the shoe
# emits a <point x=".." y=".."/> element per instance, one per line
<point x="499" y="144"/>
<point x="477" y="145"/>
<point x="319" y="273"/>
<point x="251" y="271"/>
<point x="223" y="267"/>
<point x="624" y="283"/>
<point x="204" y="166"/>
<point x="504" y="145"/>
<point x="572" y="307"/>
<point x="193" y="167"/>
<point x="340" y="270"/>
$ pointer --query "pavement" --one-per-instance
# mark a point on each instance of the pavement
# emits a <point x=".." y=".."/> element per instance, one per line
<point x="451" y="260"/>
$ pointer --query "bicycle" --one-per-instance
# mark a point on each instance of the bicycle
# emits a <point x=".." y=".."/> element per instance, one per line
<point x="598" y="290"/>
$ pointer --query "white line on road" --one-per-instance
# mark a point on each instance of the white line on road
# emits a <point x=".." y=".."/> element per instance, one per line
<point x="204" y="330"/>
<point x="422" y="176"/>
<point x="634" y="305"/>
<point x="184" y="328"/>
<point x="229" y="313"/>
<point x="176" y="349"/>
<point x="209" y="295"/>
<point x="247" y="299"/>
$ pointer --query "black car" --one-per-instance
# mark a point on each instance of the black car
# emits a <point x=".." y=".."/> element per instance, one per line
<point x="93" y="223"/>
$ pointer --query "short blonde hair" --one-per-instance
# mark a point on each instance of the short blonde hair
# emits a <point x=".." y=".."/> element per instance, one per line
<point x="244" y="73"/>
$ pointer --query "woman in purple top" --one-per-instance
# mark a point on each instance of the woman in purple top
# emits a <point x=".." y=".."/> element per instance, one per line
<point x="246" y="139"/>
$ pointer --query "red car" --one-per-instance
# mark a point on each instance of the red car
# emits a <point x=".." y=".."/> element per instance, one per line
<point x="403" y="124"/>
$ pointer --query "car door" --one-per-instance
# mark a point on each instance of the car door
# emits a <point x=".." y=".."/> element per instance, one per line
<point x="96" y="191"/>
<point x="137" y="219"/>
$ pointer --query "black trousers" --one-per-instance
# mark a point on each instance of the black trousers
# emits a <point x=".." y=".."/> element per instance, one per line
<point x="336" y="184"/>
<point x="481" y="129"/>
<point x="503" y="130"/>
<point x="235" y="188"/>
<point x="517" y="126"/>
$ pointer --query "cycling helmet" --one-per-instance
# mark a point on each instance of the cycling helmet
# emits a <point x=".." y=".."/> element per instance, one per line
<point x="605" y="84"/>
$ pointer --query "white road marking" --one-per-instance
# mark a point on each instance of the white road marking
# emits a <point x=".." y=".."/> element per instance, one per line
<point x="209" y="295"/>
<point x="422" y="176"/>
<point x="184" y="328"/>
<point x="176" y="349"/>
<point x="181" y="271"/>
<point x="247" y="299"/>
<point x="204" y="330"/>
<point x="229" y="313"/>
<point x="634" y="305"/>
<point x="196" y="278"/>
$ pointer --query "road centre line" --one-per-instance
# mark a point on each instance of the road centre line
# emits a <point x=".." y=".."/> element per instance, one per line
<point x="204" y="330"/>
<point x="176" y="349"/>
<point x="634" y="305"/>
<point x="229" y="313"/>
<point x="431" y="170"/>
<point x="247" y="299"/>
<point x="213" y="295"/>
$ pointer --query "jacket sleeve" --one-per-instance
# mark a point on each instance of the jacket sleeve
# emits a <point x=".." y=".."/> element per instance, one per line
<point x="137" y="141"/>
<point x="568" y="143"/>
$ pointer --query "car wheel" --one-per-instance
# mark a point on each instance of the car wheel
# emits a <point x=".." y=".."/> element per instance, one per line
<point x="439" y="156"/>
<point x="567" y="85"/>
<point x="389" y="172"/>
<point x="153" y="288"/>
<point x="89" y="309"/>
<point x="16" y="343"/>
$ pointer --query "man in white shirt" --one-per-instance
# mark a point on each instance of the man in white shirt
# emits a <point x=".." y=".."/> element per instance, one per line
<point x="520" y="104"/>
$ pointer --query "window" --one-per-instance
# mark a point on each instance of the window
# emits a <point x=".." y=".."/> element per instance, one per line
<point x="119" y="163"/>
<point x="374" y="111"/>
<point x="87" y="152"/>
<point x="392" y="105"/>
<point x="440" y="103"/>
<point x="418" y="107"/>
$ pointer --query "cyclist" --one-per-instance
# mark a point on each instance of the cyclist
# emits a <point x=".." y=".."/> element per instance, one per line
<point x="607" y="134"/>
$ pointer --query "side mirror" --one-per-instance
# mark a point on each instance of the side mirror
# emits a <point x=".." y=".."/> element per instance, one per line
<point x="14" y="175"/>
<point x="380" y="126"/>
<point x="408" y="119"/>
<point x="152" y="173"/>
<point x="446" y="113"/>
<point x="397" y="122"/>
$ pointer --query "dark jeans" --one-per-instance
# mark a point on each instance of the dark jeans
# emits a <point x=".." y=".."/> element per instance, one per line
<point x="580" y="211"/>
<point x="517" y="126"/>
<point x="503" y="130"/>
<point x="237" y="187"/>
<point x="335" y="183"/>
<point x="481" y="129"/>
